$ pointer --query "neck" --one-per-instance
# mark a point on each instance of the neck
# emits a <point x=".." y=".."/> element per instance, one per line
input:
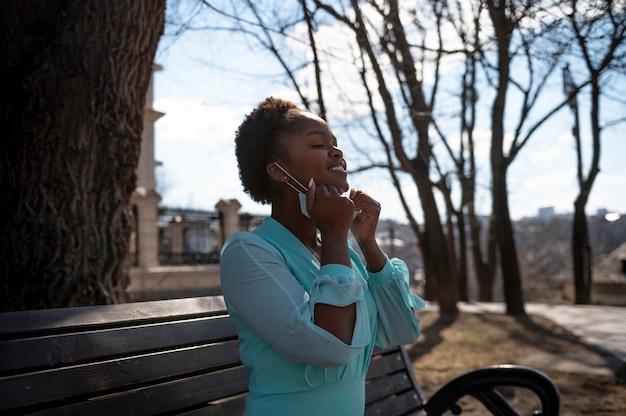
<point x="289" y="216"/>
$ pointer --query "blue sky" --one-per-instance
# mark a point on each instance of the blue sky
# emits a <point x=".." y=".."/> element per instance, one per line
<point x="206" y="88"/>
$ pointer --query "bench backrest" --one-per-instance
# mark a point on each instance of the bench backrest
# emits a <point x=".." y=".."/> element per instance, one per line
<point x="165" y="357"/>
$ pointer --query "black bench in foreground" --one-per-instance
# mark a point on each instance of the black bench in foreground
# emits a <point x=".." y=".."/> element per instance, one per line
<point x="181" y="357"/>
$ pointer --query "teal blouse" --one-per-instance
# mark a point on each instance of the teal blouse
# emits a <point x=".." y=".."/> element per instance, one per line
<point x="271" y="283"/>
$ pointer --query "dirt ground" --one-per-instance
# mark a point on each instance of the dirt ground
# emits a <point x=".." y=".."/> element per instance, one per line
<point x="589" y="382"/>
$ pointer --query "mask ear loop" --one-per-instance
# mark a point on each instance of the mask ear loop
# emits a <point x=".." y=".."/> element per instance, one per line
<point x="303" y="189"/>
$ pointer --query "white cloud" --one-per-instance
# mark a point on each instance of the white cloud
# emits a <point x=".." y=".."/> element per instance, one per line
<point x="195" y="143"/>
<point x="187" y="119"/>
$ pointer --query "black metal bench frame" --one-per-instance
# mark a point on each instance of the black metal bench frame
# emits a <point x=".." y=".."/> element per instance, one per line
<point x="181" y="357"/>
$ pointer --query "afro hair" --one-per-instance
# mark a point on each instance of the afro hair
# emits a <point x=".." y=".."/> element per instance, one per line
<point x="258" y="142"/>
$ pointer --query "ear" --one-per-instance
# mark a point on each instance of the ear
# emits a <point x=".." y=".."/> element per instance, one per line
<point x="275" y="173"/>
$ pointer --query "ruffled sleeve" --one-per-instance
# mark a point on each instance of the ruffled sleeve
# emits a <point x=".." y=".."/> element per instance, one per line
<point x="397" y="323"/>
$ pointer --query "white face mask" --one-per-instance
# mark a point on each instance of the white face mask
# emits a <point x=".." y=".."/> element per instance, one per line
<point x="301" y="192"/>
<point x="303" y="209"/>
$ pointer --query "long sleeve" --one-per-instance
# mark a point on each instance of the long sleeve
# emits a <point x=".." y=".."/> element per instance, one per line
<point x="397" y="323"/>
<point x="262" y="291"/>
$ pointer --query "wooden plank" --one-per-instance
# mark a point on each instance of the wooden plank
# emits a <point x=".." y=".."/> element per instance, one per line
<point x="389" y="385"/>
<point x="166" y="398"/>
<point x="50" y="351"/>
<point x="14" y="324"/>
<point x="114" y="375"/>
<point x="400" y="405"/>
<point x="385" y="364"/>
<point x="391" y="388"/>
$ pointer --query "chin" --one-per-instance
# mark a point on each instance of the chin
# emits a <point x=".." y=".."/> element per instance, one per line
<point x="342" y="184"/>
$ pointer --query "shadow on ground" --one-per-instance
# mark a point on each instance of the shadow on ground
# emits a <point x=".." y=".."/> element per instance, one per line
<point x="430" y="336"/>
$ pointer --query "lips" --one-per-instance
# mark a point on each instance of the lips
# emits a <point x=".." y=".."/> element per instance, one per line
<point x="339" y="167"/>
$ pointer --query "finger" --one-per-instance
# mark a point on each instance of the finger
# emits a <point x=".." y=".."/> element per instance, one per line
<point x="310" y="194"/>
<point x="358" y="196"/>
<point x="312" y="186"/>
<point x="364" y="202"/>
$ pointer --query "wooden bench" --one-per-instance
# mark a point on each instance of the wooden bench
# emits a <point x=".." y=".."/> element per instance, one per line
<point x="181" y="357"/>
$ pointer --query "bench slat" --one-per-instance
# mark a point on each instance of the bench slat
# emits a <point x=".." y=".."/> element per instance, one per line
<point x="385" y="362"/>
<point x="403" y="404"/>
<point x="387" y="386"/>
<point x="50" y="351"/>
<point x="179" y="395"/>
<point x="114" y="375"/>
<point x="14" y="324"/>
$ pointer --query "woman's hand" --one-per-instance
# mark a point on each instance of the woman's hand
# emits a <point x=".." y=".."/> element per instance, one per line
<point x="364" y="229"/>
<point x="330" y="209"/>
<point x="365" y="223"/>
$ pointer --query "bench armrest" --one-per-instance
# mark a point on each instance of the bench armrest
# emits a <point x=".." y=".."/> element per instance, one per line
<point x="482" y="384"/>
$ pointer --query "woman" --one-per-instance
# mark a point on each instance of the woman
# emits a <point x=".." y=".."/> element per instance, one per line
<point x="307" y="310"/>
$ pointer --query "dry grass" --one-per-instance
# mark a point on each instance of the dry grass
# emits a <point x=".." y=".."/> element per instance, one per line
<point x="452" y="345"/>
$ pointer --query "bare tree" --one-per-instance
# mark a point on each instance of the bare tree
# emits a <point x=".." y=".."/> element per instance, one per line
<point x="600" y="37"/>
<point x="270" y="27"/>
<point x="400" y="53"/>
<point x="507" y="20"/>
<point x="504" y="26"/>
<point x="438" y="251"/>
<point x="517" y="37"/>
<point x="74" y="76"/>
<point x="465" y="19"/>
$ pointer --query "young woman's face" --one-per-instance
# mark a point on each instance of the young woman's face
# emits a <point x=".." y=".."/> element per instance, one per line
<point x="312" y="152"/>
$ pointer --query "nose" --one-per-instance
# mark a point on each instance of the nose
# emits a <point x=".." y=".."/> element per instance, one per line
<point x="336" y="152"/>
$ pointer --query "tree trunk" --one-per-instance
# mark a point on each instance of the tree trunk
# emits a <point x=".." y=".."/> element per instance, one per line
<point x="462" y="261"/>
<point x="440" y="276"/>
<point x="581" y="249"/>
<point x="74" y="80"/>
<point x="444" y="274"/>
<point x="485" y="270"/>
<point x="503" y="27"/>
<point x="434" y="239"/>
<point x="582" y="255"/>
<point x="511" y="277"/>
